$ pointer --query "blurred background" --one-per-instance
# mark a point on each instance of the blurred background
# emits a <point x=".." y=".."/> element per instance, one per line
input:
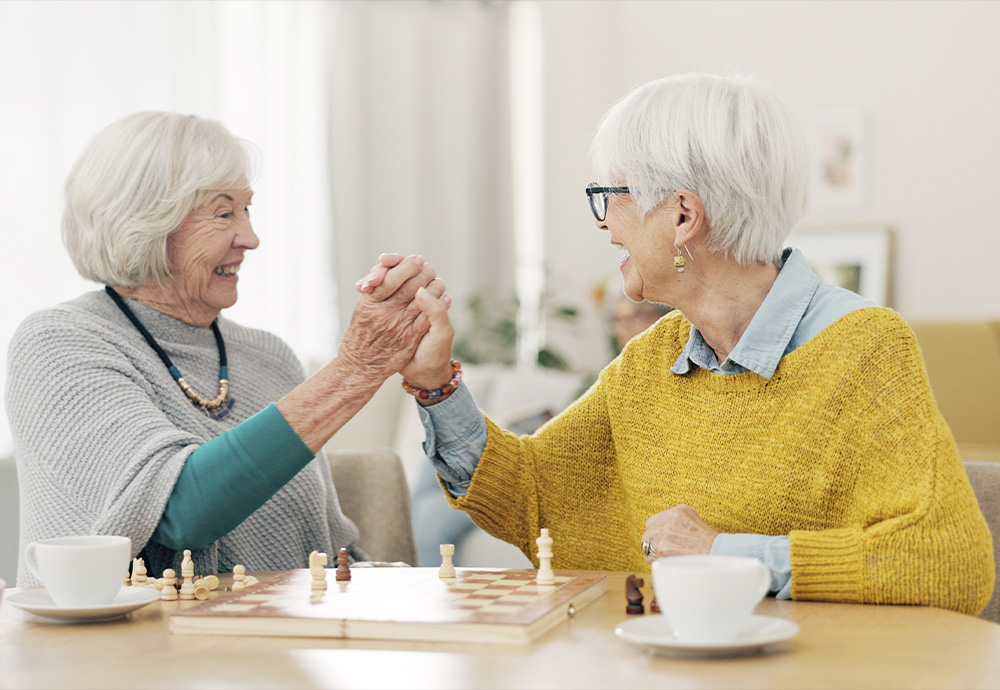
<point x="459" y="129"/>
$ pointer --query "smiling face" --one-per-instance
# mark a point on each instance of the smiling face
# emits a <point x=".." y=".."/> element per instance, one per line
<point x="647" y="267"/>
<point x="205" y="253"/>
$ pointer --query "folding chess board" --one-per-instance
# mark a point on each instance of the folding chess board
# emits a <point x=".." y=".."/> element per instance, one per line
<point x="398" y="604"/>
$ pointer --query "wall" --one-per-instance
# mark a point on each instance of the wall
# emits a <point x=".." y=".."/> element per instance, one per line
<point x="925" y="74"/>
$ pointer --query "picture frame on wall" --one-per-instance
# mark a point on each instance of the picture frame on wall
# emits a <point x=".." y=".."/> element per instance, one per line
<point x="856" y="258"/>
<point x="838" y="160"/>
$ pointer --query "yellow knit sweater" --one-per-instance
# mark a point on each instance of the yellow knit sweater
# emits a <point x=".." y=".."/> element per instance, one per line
<point x="843" y="449"/>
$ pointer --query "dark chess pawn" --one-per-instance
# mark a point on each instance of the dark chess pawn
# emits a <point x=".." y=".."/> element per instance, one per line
<point x="634" y="595"/>
<point x="343" y="565"/>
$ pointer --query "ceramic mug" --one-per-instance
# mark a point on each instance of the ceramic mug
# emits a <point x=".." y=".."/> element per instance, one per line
<point x="80" y="571"/>
<point x="709" y="598"/>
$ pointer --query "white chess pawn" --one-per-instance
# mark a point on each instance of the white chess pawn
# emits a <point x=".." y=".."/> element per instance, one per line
<point x="169" y="580"/>
<point x="447" y="568"/>
<point x="187" y="572"/>
<point x="545" y="574"/>
<point x="239" y="577"/>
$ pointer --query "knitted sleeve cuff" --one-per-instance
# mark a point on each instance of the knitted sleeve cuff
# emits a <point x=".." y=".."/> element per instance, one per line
<point x="827" y="565"/>
<point x="496" y="482"/>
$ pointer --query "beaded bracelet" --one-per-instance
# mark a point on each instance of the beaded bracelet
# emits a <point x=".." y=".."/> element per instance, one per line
<point x="442" y="392"/>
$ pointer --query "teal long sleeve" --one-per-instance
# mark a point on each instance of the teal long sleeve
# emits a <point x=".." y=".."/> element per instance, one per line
<point x="225" y="480"/>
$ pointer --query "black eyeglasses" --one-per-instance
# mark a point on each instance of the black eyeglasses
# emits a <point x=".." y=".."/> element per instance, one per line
<point x="598" y="197"/>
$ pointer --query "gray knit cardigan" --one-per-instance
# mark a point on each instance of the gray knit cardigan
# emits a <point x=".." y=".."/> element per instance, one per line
<point x="101" y="432"/>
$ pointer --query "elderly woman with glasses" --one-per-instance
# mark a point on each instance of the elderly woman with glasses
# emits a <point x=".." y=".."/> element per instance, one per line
<point x="769" y="416"/>
<point x="139" y="410"/>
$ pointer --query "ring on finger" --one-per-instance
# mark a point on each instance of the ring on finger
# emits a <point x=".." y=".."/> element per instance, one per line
<point x="647" y="549"/>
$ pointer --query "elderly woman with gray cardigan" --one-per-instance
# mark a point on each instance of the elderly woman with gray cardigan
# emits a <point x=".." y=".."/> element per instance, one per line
<point x="138" y="410"/>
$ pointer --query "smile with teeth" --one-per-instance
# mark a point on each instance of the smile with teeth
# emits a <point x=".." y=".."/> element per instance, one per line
<point x="226" y="270"/>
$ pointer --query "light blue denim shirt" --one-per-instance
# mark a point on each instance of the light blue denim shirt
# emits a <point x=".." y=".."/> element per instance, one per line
<point x="797" y="308"/>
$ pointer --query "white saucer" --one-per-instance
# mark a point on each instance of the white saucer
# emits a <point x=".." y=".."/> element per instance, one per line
<point x="654" y="631"/>
<point x="38" y="602"/>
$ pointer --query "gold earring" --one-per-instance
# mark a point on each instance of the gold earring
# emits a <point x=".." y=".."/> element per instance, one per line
<point x="679" y="260"/>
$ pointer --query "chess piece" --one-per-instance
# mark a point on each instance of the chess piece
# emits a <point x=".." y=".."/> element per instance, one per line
<point x="239" y="577"/>
<point x="343" y="565"/>
<point x="203" y="587"/>
<point x="187" y="572"/>
<point x="653" y="606"/>
<point x="250" y="581"/>
<point x="634" y="595"/>
<point x="447" y="567"/>
<point x="316" y="562"/>
<point x="138" y="572"/>
<point x="169" y="580"/>
<point x="210" y="581"/>
<point x="545" y="574"/>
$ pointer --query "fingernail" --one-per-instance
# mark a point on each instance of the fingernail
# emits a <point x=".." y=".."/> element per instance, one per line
<point x="364" y="285"/>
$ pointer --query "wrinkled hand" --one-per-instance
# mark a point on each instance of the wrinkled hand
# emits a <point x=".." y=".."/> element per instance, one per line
<point x="679" y="531"/>
<point x="430" y="366"/>
<point x="387" y="324"/>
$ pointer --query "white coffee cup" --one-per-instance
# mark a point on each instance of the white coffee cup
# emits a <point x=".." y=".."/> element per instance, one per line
<point x="709" y="598"/>
<point x="80" y="571"/>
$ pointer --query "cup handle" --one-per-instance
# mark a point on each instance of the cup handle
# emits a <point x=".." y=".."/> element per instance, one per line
<point x="29" y="560"/>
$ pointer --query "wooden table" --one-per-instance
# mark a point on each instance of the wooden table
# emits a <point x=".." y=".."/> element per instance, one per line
<point x="839" y="646"/>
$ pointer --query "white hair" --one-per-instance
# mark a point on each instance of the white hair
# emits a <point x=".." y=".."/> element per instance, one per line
<point x="134" y="184"/>
<point x="736" y="143"/>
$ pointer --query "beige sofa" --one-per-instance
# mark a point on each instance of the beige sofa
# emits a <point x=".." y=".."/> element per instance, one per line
<point x="963" y="365"/>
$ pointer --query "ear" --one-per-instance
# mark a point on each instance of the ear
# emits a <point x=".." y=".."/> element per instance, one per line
<point x="690" y="221"/>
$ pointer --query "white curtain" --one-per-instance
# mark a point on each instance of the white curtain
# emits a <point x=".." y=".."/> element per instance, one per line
<point x="261" y="68"/>
<point x="420" y="148"/>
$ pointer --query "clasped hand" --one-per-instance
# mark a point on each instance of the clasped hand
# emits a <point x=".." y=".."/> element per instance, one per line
<point x="420" y="298"/>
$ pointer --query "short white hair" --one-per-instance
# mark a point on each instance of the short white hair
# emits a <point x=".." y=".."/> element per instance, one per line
<point x="734" y="142"/>
<point x="134" y="184"/>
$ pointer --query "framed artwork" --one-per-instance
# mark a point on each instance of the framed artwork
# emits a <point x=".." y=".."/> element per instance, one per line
<point x="838" y="160"/>
<point x="859" y="259"/>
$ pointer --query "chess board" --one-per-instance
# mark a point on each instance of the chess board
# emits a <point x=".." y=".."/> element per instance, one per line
<point x="398" y="604"/>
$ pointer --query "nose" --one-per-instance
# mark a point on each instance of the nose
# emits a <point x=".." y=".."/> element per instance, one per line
<point x="601" y="224"/>
<point x="245" y="237"/>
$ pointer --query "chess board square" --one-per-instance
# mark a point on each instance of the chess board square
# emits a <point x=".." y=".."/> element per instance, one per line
<point x="470" y="603"/>
<point x="488" y="593"/>
<point x="468" y="585"/>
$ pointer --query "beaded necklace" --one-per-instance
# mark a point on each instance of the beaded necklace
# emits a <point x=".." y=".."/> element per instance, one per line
<point x="217" y="408"/>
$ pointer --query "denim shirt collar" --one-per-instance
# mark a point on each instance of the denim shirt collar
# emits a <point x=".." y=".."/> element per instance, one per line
<point x="767" y="337"/>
